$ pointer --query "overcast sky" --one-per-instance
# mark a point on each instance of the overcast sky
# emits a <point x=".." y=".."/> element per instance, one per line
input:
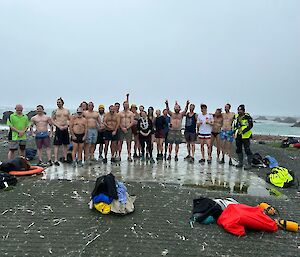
<point x="206" y="51"/>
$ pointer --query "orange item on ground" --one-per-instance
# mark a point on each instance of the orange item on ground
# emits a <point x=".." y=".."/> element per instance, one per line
<point x="31" y="171"/>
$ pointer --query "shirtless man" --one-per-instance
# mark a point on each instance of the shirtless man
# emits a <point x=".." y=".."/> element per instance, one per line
<point x="174" y="135"/>
<point x="42" y="136"/>
<point x="216" y="128"/>
<point x="100" y="138"/>
<point x="135" y="133"/>
<point x="111" y="123"/>
<point x="227" y="134"/>
<point x="93" y="123"/>
<point x="190" y="133"/>
<point x="78" y="129"/>
<point x="126" y="122"/>
<point x="60" y="118"/>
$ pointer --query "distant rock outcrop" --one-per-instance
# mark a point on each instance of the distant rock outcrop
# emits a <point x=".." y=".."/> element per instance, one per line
<point x="289" y="120"/>
<point x="297" y="124"/>
<point x="5" y="116"/>
<point x="278" y="119"/>
<point x="261" y="118"/>
<point x="31" y="114"/>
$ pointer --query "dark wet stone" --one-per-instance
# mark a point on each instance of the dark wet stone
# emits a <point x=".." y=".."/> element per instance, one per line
<point x="5" y="116"/>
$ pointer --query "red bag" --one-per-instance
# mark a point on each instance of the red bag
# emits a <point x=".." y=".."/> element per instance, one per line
<point x="238" y="217"/>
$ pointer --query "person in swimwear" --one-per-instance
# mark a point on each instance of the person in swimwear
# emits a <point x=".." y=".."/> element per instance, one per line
<point x="78" y="129"/>
<point x="216" y="129"/>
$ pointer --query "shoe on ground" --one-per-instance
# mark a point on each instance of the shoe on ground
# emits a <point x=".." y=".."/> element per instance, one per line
<point x="222" y="161"/>
<point x="176" y="158"/>
<point x="135" y="156"/>
<point x="186" y="158"/>
<point x="169" y="158"/>
<point x="209" y="161"/>
<point x="129" y="159"/>
<point x="105" y="160"/>
<point x="56" y="163"/>
<point x="40" y="163"/>
<point x="201" y="160"/>
<point x="230" y="162"/>
<point x="143" y="158"/>
<point x="74" y="164"/>
<point x="80" y="164"/>
<point x="49" y="163"/>
<point x="192" y="160"/>
<point x="113" y="159"/>
<point x="152" y="160"/>
<point x="100" y="159"/>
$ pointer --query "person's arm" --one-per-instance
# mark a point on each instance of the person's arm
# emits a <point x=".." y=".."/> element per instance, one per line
<point x="117" y="125"/>
<point x="104" y="121"/>
<point x="71" y="124"/>
<point x="250" y="124"/>
<point x="199" y="123"/>
<point x="131" y="121"/>
<point x="127" y="98"/>
<point x="211" y="120"/>
<point x="86" y="129"/>
<point x="183" y="113"/>
<point x="168" y="109"/>
<point x="53" y="119"/>
<point x="31" y="126"/>
<point x="51" y="126"/>
<point x="99" y="121"/>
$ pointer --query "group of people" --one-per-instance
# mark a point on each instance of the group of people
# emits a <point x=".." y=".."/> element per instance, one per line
<point x="88" y="128"/>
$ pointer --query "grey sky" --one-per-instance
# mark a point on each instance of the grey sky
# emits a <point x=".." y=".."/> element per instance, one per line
<point x="206" y="51"/>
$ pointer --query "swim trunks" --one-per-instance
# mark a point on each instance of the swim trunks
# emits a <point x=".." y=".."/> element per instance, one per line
<point x="190" y="137"/>
<point x="126" y="136"/>
<point x="91" y="136"/>
<point x="108" y="136"/>
<point x="227" y="135"/>
<point x="160" y="133"/>
<point x="78" y="138"/>
<point x="42" y="139"/>
<point x="100" y="138"/>
<point x="215" y="134"/>
<point x="174" y="137"/>
<point x="61" y="137"/>
<point x="204" y="136"/>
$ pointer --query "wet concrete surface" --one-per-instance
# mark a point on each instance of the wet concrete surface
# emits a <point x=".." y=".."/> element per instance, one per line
<point x="212" y="176"/>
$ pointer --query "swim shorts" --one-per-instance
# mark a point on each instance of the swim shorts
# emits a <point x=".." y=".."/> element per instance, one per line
<point x="190" y="137"/>
<point x="126" y="136"/>
<point x="227" y="135"/>
<point x="174" y="137"/>
<point x="204" y="136"/>
<point x="61" y="137"/>
<point x="108" y="136"/>
<point x="91" y="137"/>
<point x="42" y="139"/>
<point x="100" y="138"/>
<point x="160" y="133"/>
<point x="78" y="138"/>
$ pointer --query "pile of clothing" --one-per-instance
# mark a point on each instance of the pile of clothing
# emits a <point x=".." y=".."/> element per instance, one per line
<point x="235" y="217"/>
<point x="110" y="196"/>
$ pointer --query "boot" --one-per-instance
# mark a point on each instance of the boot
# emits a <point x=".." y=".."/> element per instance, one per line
<point x="241" y="160"/>
<point x="249" y="164"/>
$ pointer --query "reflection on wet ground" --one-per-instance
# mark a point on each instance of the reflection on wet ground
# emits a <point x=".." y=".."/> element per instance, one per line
<point x="214" y="176"/>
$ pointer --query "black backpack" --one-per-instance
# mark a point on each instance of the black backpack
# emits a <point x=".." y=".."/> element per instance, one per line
<point x="7" y="180"/>
<point x="257" y="160"/>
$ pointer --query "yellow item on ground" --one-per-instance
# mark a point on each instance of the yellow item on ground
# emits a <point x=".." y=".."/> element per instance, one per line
<point x="288" y="225"/>
<point x="267" y="208"/>
<point x="104" y="208"/>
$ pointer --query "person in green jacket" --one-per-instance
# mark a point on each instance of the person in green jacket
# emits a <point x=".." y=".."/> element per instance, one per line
<point x="18" y="124"/>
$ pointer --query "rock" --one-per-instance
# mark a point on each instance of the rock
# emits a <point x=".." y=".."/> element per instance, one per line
<point x="297" y="125"/>
<point x="6" y="114"/>
<point x="31" y="114"/>
<point x="289" y="120"/>
<point x="261" y="118"/>
<point x="278" y="119"/>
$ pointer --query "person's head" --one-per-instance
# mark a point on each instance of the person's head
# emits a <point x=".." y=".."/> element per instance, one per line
<point x="112" y="109"/>
<point x="125" y="105"/>
<point x="133" y="108"/>
<point x="177" y="108"/>
<point x="40" y="109"/>
<point x="165" y="112"/>
<point x="218" y="113"/>
<point x="84" y="106"/>
<point x="101" y="108"/>
<point x="227" y="108"/>
<point x="192" y="108"/>
<point x="19" y="109"/>
<point x="79" y="111"/>
<point x="60" y="102"/>
<point x="91" y="106"/>
<point x="158" y="113"/>
<point x="241" y="109"/>
<point x="203" y="108"/>
<point x="144" y="114"/>
<point x="150" y="111"/>
<point x="141" y="108"/>
<point x="117" y="107"/>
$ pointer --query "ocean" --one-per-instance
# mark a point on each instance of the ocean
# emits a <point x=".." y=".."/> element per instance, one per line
<point x="261" y="127"/>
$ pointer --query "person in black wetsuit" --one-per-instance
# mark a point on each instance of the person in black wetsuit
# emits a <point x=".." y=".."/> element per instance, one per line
<point x="160" y="124"/>
<point x="190" y="133"/>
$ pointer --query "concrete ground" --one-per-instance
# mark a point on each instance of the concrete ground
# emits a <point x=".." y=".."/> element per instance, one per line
<point x="47" y="215"/>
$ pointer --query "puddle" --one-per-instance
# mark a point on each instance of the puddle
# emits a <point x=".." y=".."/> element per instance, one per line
<point x="214" y="176"/>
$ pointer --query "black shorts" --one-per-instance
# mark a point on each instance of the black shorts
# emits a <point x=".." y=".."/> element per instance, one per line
<point x="78" y="138"/>
<point x="100" y="137"/>
<point x="61" y="137"/>
<point x="108" y="136"/>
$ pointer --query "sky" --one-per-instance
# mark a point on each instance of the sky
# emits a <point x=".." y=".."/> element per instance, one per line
<point x="213" y="52"/>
